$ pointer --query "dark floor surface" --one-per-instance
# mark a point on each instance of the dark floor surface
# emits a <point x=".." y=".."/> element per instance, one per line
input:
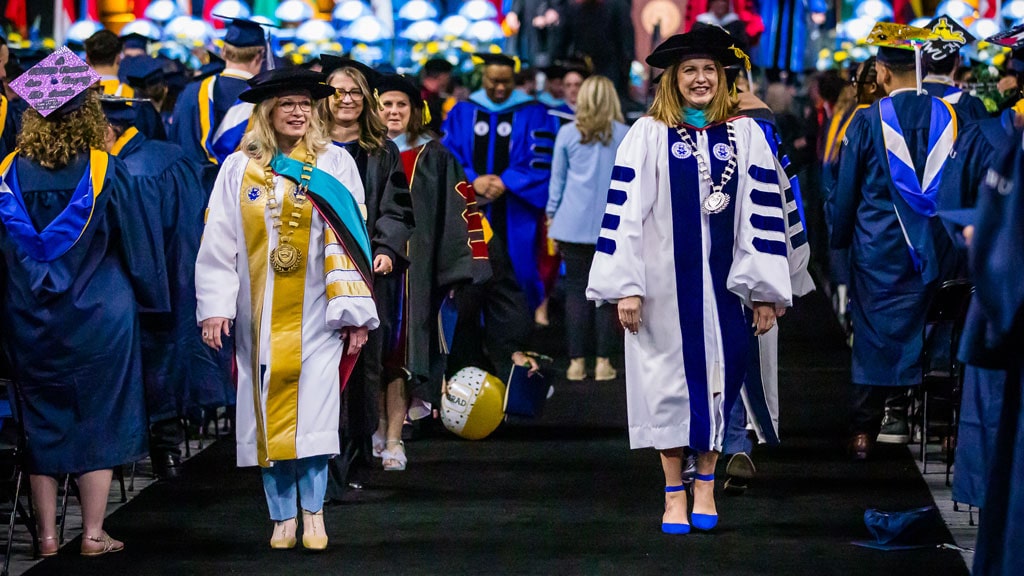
<point x="562" y="495"/>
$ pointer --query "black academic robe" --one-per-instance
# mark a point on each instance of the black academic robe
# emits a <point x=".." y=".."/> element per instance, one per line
<point x="182" y="375"/>
<point x="70" y="325"/>
<point x="443" y="255"/>
<point x="389" y="222"/>
<point x="997" y="266"/>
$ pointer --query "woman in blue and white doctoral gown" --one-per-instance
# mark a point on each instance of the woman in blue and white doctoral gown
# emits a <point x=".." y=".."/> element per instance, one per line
<point x="687" y="272"/>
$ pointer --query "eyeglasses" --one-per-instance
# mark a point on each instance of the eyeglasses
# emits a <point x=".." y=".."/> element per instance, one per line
<point x="355" y="94"/>
<point x="288" y="106"/>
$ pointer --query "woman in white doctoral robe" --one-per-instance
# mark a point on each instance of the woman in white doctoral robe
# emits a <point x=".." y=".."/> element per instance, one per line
<point x="693" y="249"/>
<point x="285" y="255"/>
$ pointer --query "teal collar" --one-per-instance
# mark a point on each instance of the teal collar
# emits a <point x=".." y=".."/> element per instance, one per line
<point x="550" y="101"/>
<point x="694" y="117"/>
<point x="518" y="98"/>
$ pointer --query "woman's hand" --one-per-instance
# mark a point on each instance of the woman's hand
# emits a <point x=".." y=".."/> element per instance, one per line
<point x="764" y="317"/>
<point x="212" y="330"/>
<point x="629" y="313"/>
<point x="382" y="264"/>
<point x="356" y="337"/>
<point x="520" y="359"/>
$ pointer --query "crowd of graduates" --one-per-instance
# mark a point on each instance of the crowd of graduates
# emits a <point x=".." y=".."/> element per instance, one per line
<point x="129" y="313"/>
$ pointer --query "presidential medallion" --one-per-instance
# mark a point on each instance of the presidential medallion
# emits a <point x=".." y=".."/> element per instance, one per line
<point x="285" y="258"/>
<point x="715" y="203"/>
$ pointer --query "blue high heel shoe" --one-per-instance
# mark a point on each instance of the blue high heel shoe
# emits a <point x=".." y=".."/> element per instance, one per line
<point x="704" y="521"/>
<point x="668" y="528"/>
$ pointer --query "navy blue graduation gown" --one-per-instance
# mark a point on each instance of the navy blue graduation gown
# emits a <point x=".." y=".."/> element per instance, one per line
<point x="180" y="372"/>
<point x="997" y="265"/>
<point x="968" y="108"/>
<point x="516" y="144"/>
<point x="70" y="325"/>
<point x="979" y="147"/>
<point x="889" y="294"/>
<point x="186" y="130"/>
<point x="9" y="133"/>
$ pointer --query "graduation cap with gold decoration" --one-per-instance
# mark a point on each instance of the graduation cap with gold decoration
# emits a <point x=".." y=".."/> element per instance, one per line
<point x="899" y="45"/>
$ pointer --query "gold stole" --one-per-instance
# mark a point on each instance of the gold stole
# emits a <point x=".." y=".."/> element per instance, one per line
<point x="114" y="87"/>
<point x="205" y="124"/>
<point x="276" y="429"/>
<point x="125" y="138"/>
<point x="836" y="133"/>
<point x="3" y="113"/>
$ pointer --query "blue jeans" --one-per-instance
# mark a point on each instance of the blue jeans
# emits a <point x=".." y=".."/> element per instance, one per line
<point x="280" y="481"/>
<point x="737" y="439"/>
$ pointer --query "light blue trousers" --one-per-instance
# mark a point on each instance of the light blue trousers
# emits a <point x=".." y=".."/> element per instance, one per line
<point x="306" y="476"/>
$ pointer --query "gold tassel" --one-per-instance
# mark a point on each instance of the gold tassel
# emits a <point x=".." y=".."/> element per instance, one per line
<point x="426" y="114"/>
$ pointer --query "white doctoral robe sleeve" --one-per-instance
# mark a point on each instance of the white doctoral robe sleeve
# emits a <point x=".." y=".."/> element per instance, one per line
<point x="798" y="253"/>
<point x="760" y="266"/>
<point x="618" y="270"/>
<point x="351" y="308"/>
<point x="217" y="281"/>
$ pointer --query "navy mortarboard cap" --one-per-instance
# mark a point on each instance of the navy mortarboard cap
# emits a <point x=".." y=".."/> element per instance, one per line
<point x="118" y="110"/>
<point x="216" y="65"/>
<point x="438" y="66"/>
<point x="143" y="71"/>
<point x="286" y="81"/>
<point x="710" y="42"/>
<point x="331" y="63"/>
<point x="555" y="71"/>
<point x="497" y="59"/>
<point x="906" y="530"/>
<point x="243" y="33"/>
<point x="895" y="56"/>
<point x="400" y="83"/>
<point x="134" y="40"/>
<point x="948" y="37"/>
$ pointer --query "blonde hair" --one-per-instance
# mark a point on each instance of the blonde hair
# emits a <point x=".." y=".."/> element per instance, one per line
<point x="372" y="130"/>
<point x="260" y="140"/>
<point x="241" y="55"/>
<point x="53" y="142"/>
<point x="668" y="100"/>
<point x="597" y="107"/>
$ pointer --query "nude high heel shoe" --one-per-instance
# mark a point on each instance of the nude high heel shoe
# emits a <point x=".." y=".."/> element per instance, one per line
<point x="314" y="534"/>
<point x="284" y="535"/>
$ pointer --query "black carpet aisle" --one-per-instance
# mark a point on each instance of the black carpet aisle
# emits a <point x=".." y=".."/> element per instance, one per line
<point x="562" y="496"/>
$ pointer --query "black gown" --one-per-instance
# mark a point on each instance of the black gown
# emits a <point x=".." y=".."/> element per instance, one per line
<point x="389" y="221"/>
<point x="70" y="320"/>
<point x="444" y="255"/>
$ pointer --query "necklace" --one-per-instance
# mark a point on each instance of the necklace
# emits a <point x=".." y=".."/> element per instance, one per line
<point x="717" y="200"/>
<point x="287" y="257"/>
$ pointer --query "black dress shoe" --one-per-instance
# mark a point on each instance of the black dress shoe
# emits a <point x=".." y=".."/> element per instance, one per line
<point x="166" y="465"/>
<point x="739" y="471"/>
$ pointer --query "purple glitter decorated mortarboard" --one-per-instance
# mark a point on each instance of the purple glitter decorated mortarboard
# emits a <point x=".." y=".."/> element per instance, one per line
<point x="55" y="81"/>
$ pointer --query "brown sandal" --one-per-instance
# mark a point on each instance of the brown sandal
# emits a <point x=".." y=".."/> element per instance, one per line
<point x="109" y="545"/>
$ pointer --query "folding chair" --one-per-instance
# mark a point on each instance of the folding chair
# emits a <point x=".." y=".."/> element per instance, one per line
<point x="942" y="378"/>
<point x="12" y="474"/>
